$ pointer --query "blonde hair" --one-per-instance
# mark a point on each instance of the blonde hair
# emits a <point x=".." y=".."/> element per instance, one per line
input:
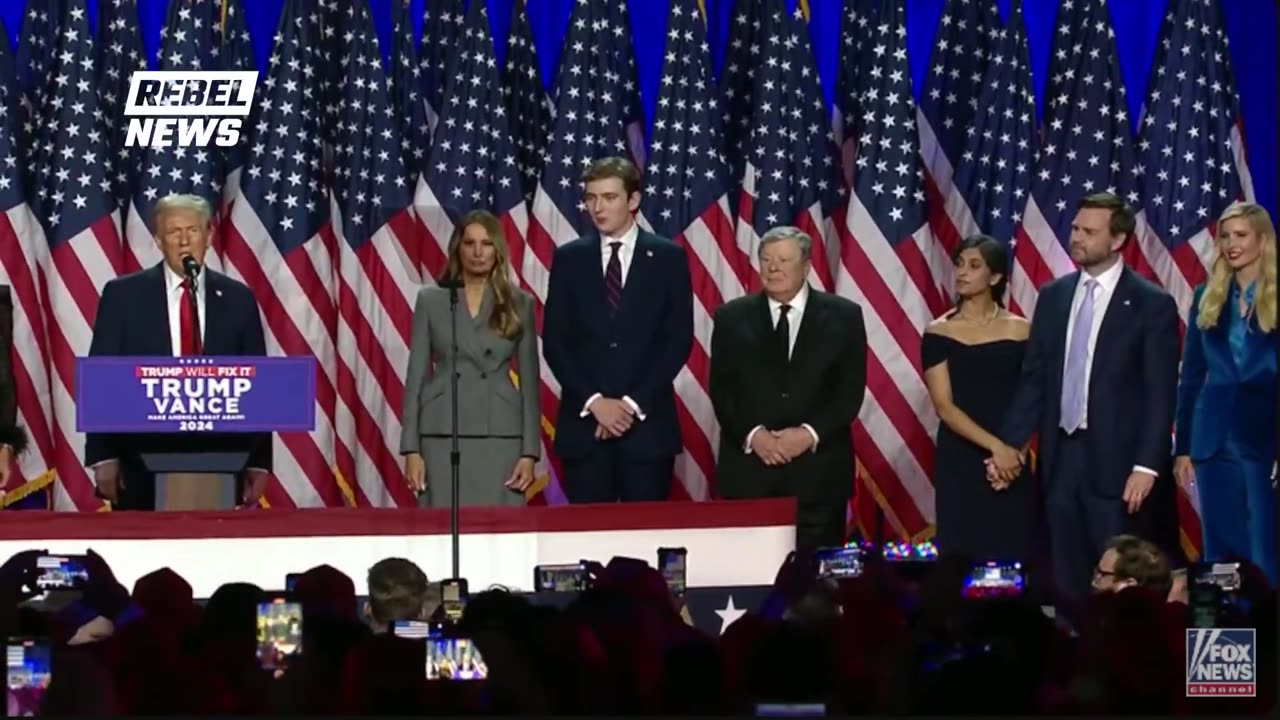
<point x="169" y="203"/>
<point x="1220" y="276"/>
<point x="505" y="320"/>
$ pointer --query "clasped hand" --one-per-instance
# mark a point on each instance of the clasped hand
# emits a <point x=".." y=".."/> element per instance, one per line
<point x="614" y="417"/>
<point x="779" y="447"/>
<point x="1004" y="466"/>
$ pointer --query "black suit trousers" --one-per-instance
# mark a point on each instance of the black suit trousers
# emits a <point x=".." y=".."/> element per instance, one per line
<point x="605" y="475"/>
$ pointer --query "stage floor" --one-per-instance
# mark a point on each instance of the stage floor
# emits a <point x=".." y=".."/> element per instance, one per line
<point x="730" y="543"/>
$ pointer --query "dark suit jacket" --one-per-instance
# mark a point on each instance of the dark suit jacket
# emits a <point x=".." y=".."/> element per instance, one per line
<point x="1132" y="384"/>
<point x="133" y="319"/>
<point x="752" y="384"/>
<point x="8" y="394"/>
<point x="1218" y="398"/>
<point x="636" y="353"/>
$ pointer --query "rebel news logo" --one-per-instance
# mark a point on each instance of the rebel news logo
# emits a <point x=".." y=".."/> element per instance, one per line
<point x="188" y="108"/>
<point x="1220" y="662"/>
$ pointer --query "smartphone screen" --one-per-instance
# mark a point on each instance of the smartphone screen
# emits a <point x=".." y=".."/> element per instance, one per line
<point x="839" y="562"/>
<point x="291" y="582"/>
<point x="413" y="629"/>
<point x="994" y="579"/>
<point x="279" y="633"/>
<point x="28" y="675"/>
<point x="60" y="572"/>
<point x="1211" y="588"/>
<point x="453" y="598"/>
<point x="671" y="561"/>
<point x="454" y="659"/>
<point x="560" y="578"/>
<point x="791" y="709"/>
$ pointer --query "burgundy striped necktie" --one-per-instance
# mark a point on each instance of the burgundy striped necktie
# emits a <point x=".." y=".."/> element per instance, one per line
<point x="613" y="278"/>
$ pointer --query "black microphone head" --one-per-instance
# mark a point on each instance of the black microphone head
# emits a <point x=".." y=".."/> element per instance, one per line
<point x="190" y="266"/>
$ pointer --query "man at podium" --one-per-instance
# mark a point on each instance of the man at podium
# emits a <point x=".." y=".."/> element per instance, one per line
<point x="177" y="307"/>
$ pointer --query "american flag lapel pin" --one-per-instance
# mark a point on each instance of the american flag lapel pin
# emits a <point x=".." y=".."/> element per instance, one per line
<point x="648" y="253"/>
<point x="218" y="293"/>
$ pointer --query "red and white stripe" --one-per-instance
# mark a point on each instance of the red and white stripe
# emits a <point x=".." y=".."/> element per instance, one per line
<point x="70" y="280"/>
<point x="897" y="290"/>
<point x="719" y="271"/>
<point x="295" y="294"/>
<point x="376" y="287"/>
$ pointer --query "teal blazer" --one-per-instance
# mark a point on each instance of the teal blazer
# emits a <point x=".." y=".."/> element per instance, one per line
<point x="1220" y="398"/>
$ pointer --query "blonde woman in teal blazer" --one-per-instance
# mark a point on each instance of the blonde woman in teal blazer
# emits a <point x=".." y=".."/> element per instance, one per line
<point x="1225" y="443"/>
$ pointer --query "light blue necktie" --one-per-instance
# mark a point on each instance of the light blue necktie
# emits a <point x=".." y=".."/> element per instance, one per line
<point x="1073" y="380"/>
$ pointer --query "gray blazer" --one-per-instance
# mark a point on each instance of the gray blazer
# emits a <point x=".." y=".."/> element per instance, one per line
<point x="489" y="405"/>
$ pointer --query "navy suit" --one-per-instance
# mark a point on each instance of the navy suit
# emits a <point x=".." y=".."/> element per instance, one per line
<point x="1227" y="425"/>
<point x="133" y="319"/>
<point x="636" y="352"/>
<point x="1131" y="399"/>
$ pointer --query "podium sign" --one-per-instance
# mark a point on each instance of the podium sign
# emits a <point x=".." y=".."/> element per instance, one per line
<point x="160" y="394"/>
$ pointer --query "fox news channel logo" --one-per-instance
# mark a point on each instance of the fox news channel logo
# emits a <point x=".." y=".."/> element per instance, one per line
<point x="1221" y="663"/>
<point x="188" y="108"/>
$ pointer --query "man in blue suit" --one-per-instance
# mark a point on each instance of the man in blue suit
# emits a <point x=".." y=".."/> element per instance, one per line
<point x="1098" y="383"/>
<point x="149" y="313"/>
<point x="617" y="329"/>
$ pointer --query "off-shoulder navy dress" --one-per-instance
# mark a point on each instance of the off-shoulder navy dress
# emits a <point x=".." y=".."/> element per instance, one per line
<point x="971" y="517"/>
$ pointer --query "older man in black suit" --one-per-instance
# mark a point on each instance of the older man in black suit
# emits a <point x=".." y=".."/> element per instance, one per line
<point x="788" y="375"/>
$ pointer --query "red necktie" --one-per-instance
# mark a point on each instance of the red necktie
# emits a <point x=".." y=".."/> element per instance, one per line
<point x="187" y="322"/>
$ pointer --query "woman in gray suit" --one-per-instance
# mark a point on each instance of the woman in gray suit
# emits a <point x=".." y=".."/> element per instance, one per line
<point x="498" y="425"/>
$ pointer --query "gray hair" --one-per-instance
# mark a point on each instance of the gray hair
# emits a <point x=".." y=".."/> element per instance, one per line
<point x="787" y="232"/>
<point x="194" y="203"/>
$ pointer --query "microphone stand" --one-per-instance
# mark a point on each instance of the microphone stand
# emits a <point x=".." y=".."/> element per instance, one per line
<point x="455" y="456"/>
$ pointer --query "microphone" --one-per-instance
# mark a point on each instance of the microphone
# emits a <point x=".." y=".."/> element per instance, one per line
<point x="190" y="267"/>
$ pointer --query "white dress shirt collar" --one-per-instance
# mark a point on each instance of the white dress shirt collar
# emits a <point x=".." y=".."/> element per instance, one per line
<point x="796" y="303"/>
<point x="173" y="281"/>
<point x="1108" y="279"/>
<point x="628" y="238"/>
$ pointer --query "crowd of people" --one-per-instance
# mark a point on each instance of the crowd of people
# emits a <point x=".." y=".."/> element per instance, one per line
<point x="898" y="638"/>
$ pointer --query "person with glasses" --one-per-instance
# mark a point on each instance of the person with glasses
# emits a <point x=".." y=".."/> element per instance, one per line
<point x="1130" y="561"/>
<point x="1225" y="434"/>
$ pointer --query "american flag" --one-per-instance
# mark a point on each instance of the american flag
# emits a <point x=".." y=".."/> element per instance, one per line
<point x="686" y="198"/>
<point x="1086" y="145"/>
<point x="948" y="106"/>
<point x="35" y="56"/>
<point x="529" y="107"/>
<point x="1191" y="162"/>
<point x="377" y="277"/>
<point x="890" y="265"/>
<point x="21" y="246"/>
<point x="79" y="220"/>
<point x="280" y="243"/>
<point x="406" y="92"/>
<point x="234" y="52"/>
<point x="187" y="42"/>
<point x="597" y="115"/>
<point x="120" y="53"/>
<point x="788" y="174"/>
<point x="442" y="22"/>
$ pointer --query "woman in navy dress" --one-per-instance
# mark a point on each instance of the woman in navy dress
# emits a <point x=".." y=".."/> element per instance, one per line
<point x="972" y="357"/>
<point x="1225" y="442"/>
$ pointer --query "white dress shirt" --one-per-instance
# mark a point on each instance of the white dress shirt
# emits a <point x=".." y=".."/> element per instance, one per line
<point x="1102" y="293"/>
<point x="625" y="253"/>
<point x="173" y="284"/>
<point x="794" y="317"/>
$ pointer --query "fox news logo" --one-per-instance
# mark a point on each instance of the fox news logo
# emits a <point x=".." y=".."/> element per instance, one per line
<point x="185" y="108"/>
<point x="1220" y="662"/>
